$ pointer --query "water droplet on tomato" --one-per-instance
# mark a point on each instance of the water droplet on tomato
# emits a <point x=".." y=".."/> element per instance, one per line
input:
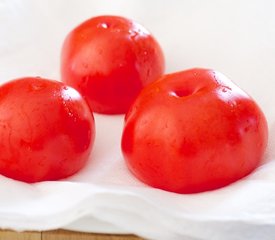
<point x="103" y="25"/>
<point x="133" y="34"/>
<point x="224" y="90"/>
<point x="36" y="86"/>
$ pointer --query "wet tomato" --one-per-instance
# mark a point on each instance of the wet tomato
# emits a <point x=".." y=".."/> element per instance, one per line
<point x="46" y="130"/>
<point x="109" y="59"/>
<point x="193" y="131"/>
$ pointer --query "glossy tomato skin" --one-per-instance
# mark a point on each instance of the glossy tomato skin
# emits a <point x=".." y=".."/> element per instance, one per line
<point x="109" y="59"/>
<point x="47" y="130"/>
<point x="193" y="131"/>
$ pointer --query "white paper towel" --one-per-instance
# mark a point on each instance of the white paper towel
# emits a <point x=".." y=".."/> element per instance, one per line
<point x="234" y="37"/>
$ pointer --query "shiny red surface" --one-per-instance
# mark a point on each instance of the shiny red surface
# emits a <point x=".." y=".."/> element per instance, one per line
<point x="46" y="130"/>
<point x="109" y="60"/>
<point x="193" y="131"/>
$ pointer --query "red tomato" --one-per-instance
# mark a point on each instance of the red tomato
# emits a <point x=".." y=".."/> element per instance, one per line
<point x="109" y="60"/>
<point x="193" y="131"/>
<point x="46" y="128"/>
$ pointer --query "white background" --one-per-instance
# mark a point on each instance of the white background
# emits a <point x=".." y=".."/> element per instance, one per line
<point x="236" y="38"/>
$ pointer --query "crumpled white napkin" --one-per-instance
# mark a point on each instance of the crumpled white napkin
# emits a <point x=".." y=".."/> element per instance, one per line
<point x="234" y="37"/>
